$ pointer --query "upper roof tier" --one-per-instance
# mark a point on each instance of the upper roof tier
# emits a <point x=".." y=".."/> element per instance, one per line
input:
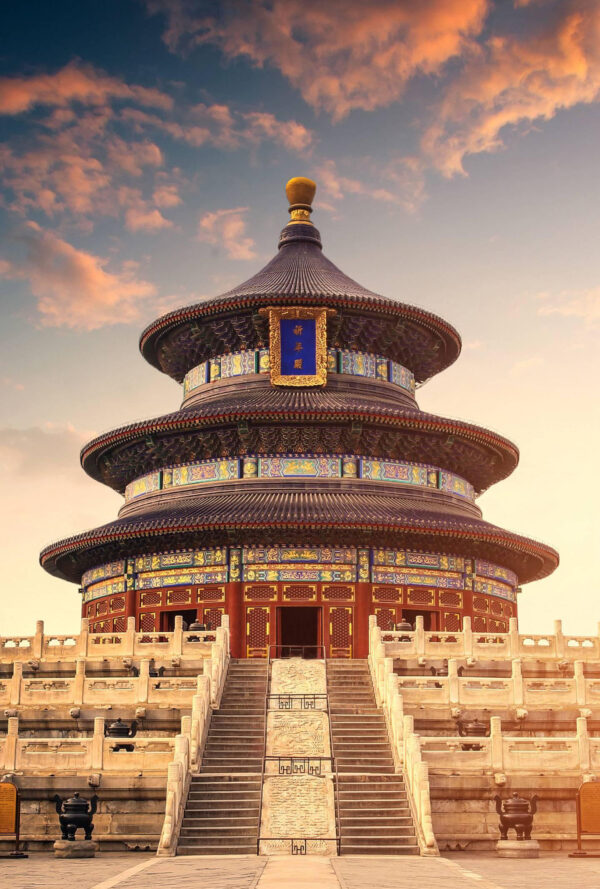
<point x="301" y="275"/>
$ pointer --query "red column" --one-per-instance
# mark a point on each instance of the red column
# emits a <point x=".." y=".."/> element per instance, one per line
<point x="362" y="609"/>
<point x="130" y="603"/>
<point x="234" y="607"/>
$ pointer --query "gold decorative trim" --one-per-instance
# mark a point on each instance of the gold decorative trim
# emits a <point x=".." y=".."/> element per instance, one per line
<point x="319" y="378"/>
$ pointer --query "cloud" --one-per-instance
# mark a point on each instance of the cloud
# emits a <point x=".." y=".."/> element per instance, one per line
<point x="74" y="288"/>
<point x="227" y="229"/>
<point x="342" y="55"/>
<point x="96" y="134"/>
<point x="515" y="79"/>
<point x="9" y="382"/>
<point x="40" y="450"/>
<point x="401" y="182"/>
<point x="582" y="304"/>
<point x="76" y="82"/>
<point x="526" y="364"/>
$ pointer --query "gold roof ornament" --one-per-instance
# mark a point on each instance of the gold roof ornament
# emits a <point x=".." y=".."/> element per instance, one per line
<point x="300" y="193"/>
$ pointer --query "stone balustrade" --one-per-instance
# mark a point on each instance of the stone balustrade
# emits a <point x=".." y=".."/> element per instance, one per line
<point x="471" y="646"/>
<point x="94" y="646"/>
<point x="187" y="756"/>
<point x="511" y="693"/>
<point x="78" y="756"/>
<point x="499" y="754"/>
<point x="80" y="690"/>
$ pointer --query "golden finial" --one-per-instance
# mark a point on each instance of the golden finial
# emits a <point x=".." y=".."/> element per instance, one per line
<point x="300" y="193"/>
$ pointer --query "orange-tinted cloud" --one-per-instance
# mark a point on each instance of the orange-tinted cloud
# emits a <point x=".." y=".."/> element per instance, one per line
<point x="227" y="228"/>
<point x="342" y="54"/>
<point x="515" y="80"/>
<point x="76" y="82"/>
<point x="582" y="304"/>
<point x="73" y="288"/>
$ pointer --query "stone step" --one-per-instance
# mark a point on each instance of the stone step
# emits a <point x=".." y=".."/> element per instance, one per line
<point x="231" y="821"/>
<point x="222" y="839"/>
<point x="223" y="831"/>
<point x="350" y="848"/>
<point x="374" y="821"/>
<point x="228" y="769"/>
<point x="198" y="848"/>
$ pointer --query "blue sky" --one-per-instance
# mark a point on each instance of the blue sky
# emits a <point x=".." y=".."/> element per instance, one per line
<point x="144" y="151"/>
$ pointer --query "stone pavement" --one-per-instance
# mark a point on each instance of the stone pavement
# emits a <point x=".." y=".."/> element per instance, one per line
<point x="459" y="871"/>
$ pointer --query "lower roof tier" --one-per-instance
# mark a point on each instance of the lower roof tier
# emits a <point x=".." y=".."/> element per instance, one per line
<point x="266" y="421"/>
<point x="334" y="518"/>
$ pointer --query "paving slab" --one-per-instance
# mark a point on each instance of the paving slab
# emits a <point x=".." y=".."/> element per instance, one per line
<point x="452" y="871"/>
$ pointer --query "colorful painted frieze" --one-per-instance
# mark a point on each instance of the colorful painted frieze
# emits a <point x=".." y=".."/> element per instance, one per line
<point x="493" y="588"/>
<point x="185" y="558"/>
<point x="156" y="579"/>
<point x="144" y="485"/>
<point x="197" y="473"/>
<point x="196" y="377"/>
<point x="391" y="471"/>
<point x="292" y="573"/>
<point x="359" y="364"/>
<point x="455" y="485"/>
<point x="496" y="572"/>
<point x="97" y="590"/>
<point x="411" y="577"/>
<point x="300" y="467"/>
<point x="401" y="376"/>
<point x="319" y="555"/>
<point x="238" y="364"/>
<point x="235" y="564"/>
<point x="333" y="364"/>
<point x="264" y="361"/>
<point x="364" y="564"/>
<point x="101" y="572"/>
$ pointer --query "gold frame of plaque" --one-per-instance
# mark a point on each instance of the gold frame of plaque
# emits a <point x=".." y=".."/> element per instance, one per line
<point x="319" y="316"/>
<point x="10" y="816"/>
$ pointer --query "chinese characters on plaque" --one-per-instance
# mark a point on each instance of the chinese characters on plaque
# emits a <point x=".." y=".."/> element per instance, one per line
<point x="298" y="346"/>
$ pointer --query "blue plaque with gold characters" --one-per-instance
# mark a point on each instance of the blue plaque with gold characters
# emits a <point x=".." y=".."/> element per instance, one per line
<point x="298" y="345"/>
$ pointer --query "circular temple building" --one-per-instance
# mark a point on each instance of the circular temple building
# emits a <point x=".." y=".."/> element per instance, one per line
<point x="299" y="488"/>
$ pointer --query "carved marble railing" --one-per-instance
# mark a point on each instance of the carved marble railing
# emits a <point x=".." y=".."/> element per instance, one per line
<point x="499" y="754"/>
<point x="186" y="760"/>
<point x="39" y="756"/>
<point x="514" y="692"/>
<point x="471" y="646"/>
<point x="83" y="691"/>
<point x="94" y="646"/>
<point x="407" y="756"/>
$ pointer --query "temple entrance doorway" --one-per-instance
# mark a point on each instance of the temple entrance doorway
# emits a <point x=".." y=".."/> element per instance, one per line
<point x="188" y="616"/>
<point x="299" y="631"/>
<point x="429" y="618"/>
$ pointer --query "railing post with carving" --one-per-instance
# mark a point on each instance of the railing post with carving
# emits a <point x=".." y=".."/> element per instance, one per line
<point x="496" y="744"/>
<point x="580" y="684"/>
<point x="513" y="637"/>
<point x="38" y="639"/>
<point x="453" y="682"/>
<point x="130" y="637"/>
<point x="15" y="683"/>
<point x="98" y="743"/>
<point x="559" y="641"/>
<point x="177" y="638"/>
<point x="583" y="740"/>
<point x="84" y="637"/>
<point x="420" y="636"/>
<point x="518" y="698"/>
<point x="144" y="680"/>
<point x="10" y="744"/>
<point x="79" y="683"/>
<point x="468" y="638"/>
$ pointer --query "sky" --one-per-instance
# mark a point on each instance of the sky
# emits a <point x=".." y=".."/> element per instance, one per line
<point x="144" y="149"/>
